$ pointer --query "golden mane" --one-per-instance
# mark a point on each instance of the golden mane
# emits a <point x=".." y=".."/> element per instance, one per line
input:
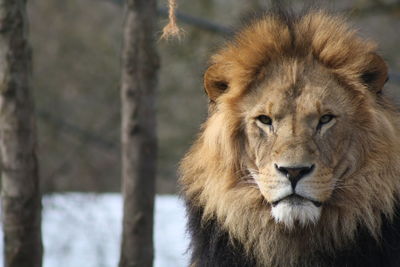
<point x="212" y="172"/>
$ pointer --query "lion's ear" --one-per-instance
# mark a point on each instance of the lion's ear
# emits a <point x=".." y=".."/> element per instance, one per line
<point x="375" y="74"/>
<point x="215" y="81"/>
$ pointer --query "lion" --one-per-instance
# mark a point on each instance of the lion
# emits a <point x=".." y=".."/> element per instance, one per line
<point x="298" y="161"/>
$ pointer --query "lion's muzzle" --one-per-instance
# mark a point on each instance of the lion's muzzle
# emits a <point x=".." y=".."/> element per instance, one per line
<point x="294" y="174"/>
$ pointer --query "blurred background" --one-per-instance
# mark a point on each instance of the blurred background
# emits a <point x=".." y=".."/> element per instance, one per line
<point x="76" y="47"/>
<point x="76" y="81"/>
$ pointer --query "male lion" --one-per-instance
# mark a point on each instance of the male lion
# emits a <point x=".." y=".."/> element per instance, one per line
<point x="298" y="162"/>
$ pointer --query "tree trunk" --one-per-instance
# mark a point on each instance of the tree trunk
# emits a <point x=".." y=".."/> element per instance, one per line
<point x="139" y="142"/>
<point x="21" y="205"/>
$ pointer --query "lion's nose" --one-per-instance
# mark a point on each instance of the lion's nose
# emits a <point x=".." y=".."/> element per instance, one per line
<point x="294" y="174"/>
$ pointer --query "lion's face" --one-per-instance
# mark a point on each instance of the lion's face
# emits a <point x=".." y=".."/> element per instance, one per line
<point x="298" y="124"/>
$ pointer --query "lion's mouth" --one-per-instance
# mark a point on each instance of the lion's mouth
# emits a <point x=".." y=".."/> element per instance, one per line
<point x="295" y="199"/>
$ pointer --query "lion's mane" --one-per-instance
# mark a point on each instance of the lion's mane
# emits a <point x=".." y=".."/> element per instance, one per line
<point x="229" y="219"/>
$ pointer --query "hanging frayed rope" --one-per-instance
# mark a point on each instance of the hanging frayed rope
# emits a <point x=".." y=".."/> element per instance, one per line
<point x="171" y="29"/>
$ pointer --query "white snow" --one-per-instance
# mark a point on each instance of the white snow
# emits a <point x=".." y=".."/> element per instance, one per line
<point x="85" y="230"/>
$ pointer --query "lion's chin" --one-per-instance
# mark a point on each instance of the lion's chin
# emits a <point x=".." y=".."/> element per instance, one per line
<point x="291" y="213"/>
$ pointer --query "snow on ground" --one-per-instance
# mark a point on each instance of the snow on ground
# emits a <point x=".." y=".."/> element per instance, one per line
<point x="84" y="230"/>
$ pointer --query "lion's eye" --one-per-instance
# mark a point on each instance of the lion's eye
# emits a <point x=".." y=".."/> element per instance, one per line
<point x="265" y="119"/>
<point x="326" y="118"/>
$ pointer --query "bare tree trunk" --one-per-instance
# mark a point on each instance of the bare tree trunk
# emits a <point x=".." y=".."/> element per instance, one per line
<point x="21" y="205"/>
<point x="139" y="143"/>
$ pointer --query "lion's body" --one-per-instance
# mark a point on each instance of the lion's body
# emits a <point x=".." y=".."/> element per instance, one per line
<point x="298" y="163"/>
<point x="211" y="247"/>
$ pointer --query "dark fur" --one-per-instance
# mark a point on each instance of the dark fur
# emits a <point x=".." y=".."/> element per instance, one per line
<point x="211" y="247"/>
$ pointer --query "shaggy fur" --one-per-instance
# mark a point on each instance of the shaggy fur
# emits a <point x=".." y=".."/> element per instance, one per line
<point x="295" y="70"/>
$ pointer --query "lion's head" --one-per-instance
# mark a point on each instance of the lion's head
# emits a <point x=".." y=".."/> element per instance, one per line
<point x="300" y="138"/>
